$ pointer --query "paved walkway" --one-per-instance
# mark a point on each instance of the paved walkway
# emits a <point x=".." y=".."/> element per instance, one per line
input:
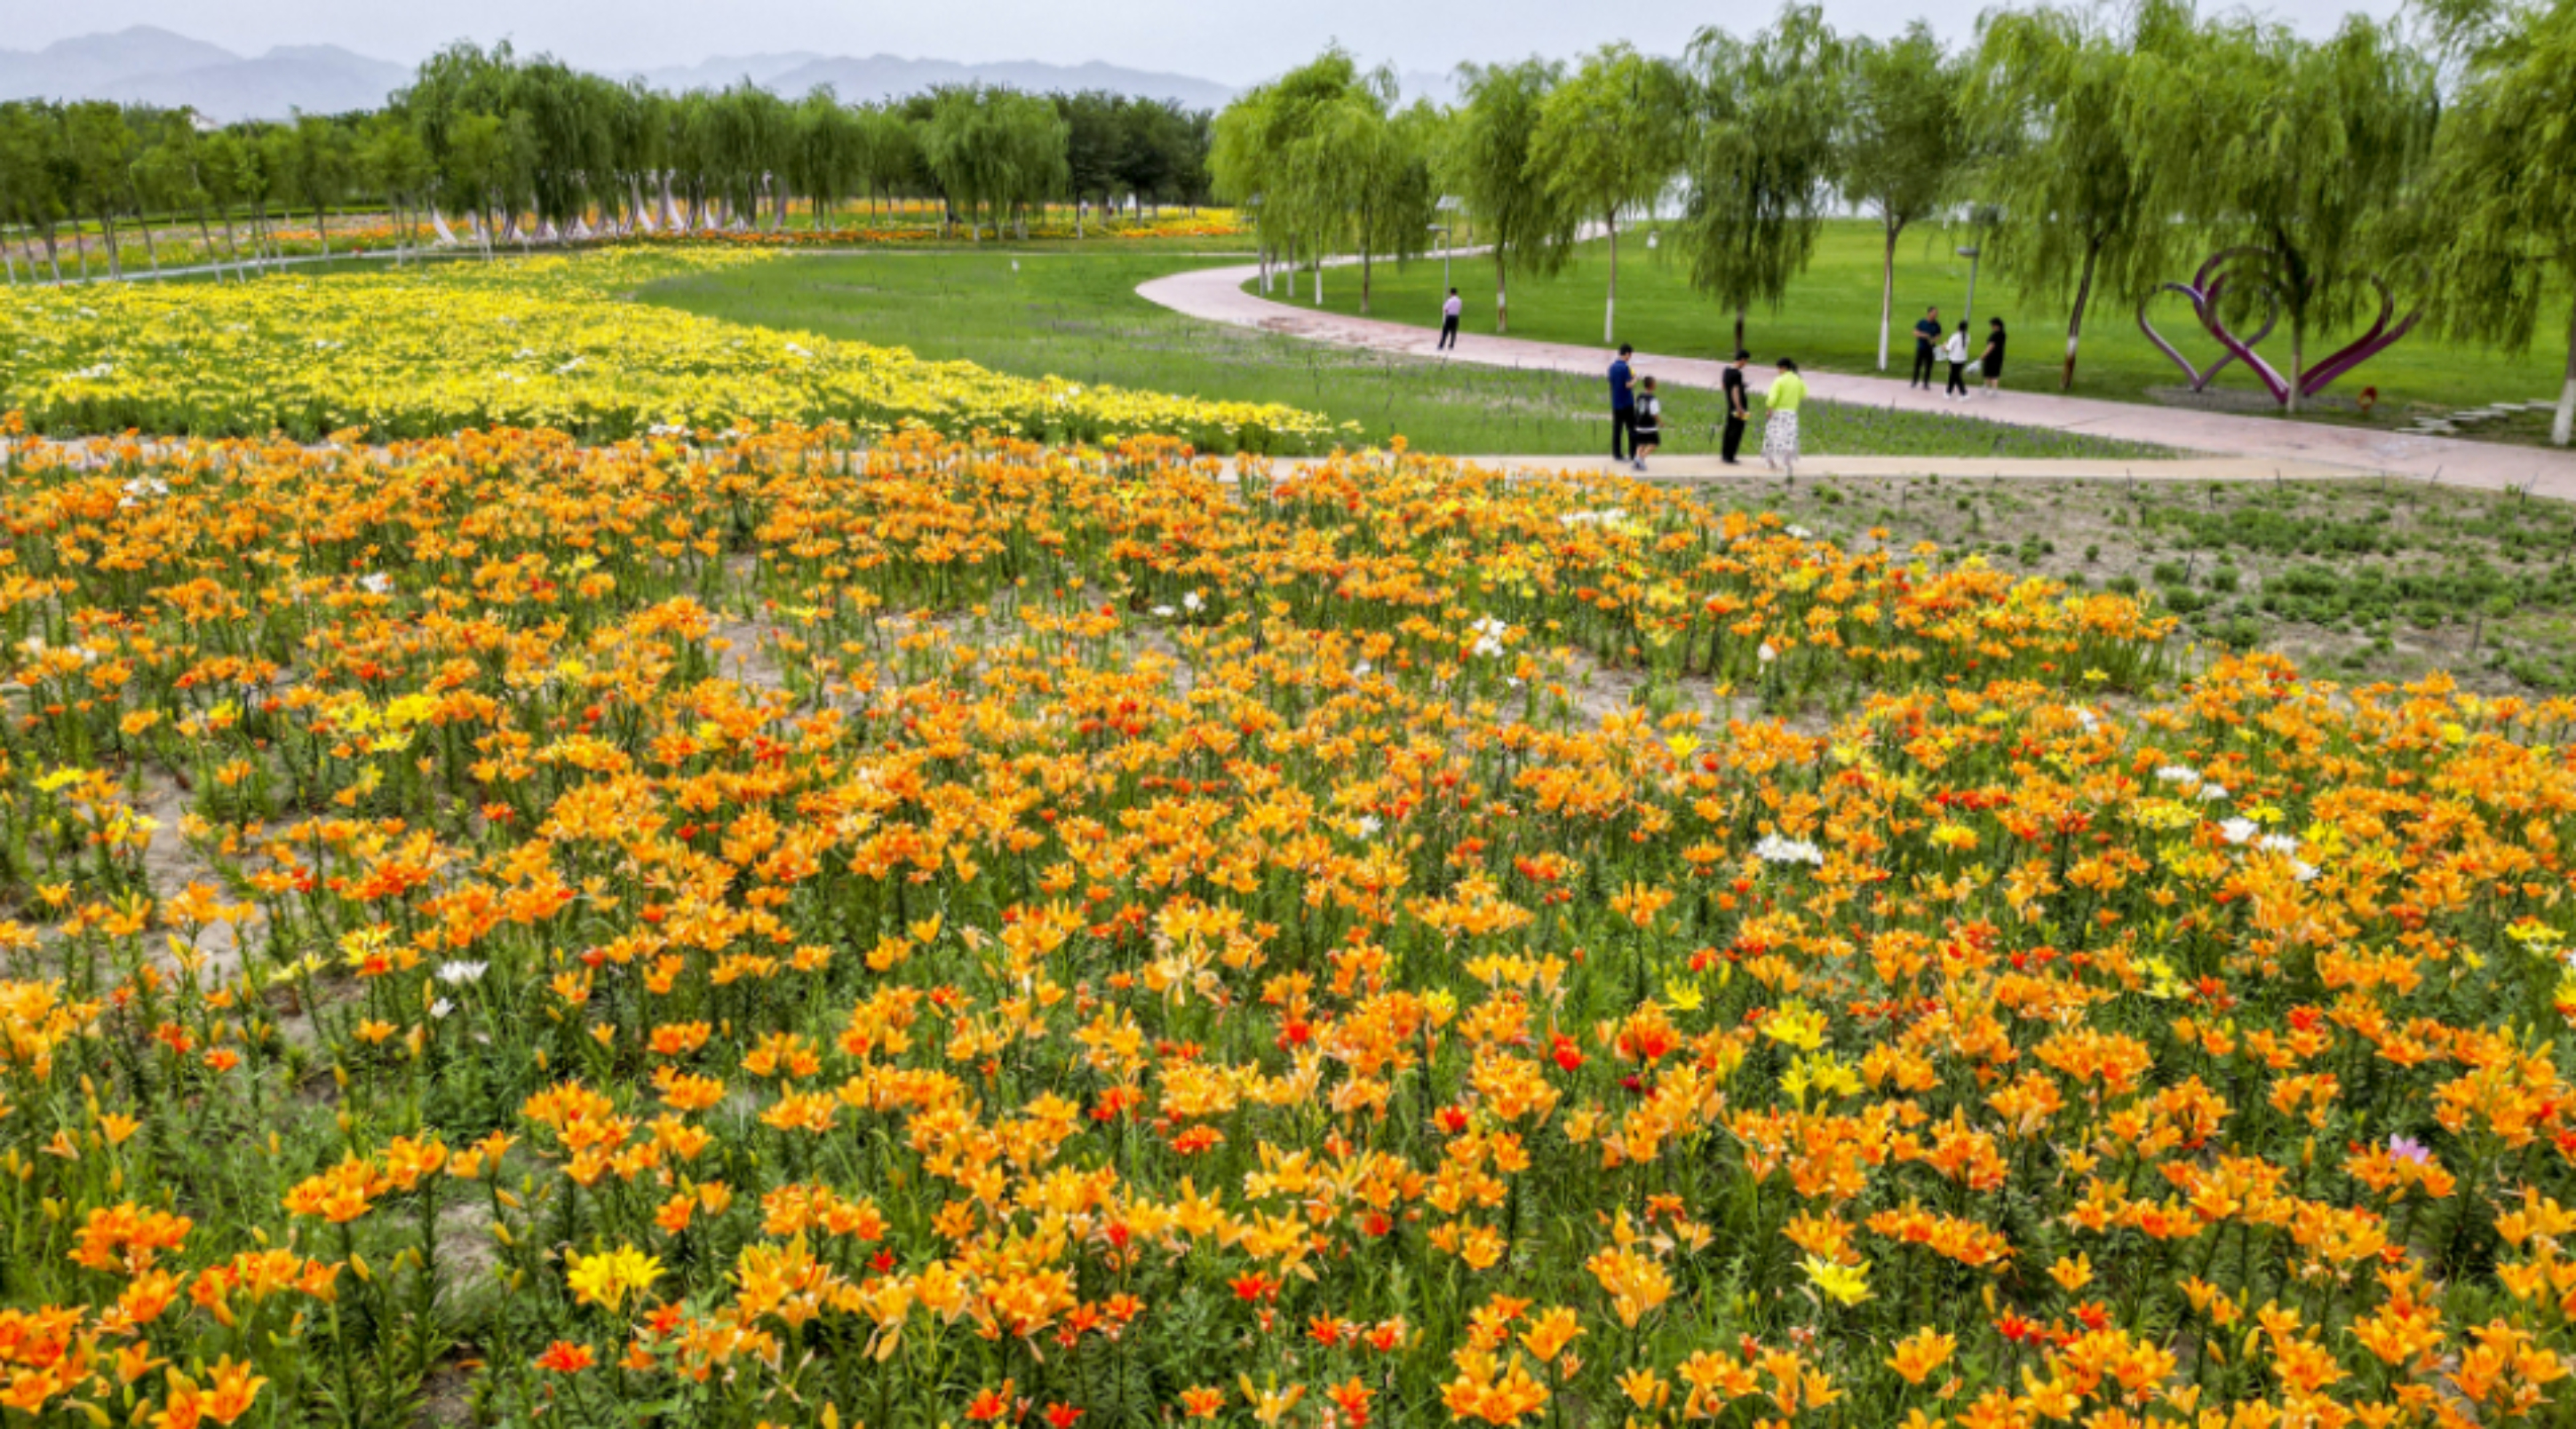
<point x="1709" y="469"/>
<point x="1217" y="295"/>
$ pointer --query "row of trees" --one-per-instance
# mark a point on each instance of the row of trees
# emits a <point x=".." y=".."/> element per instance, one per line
<point x="531" y="150"/>
<point x="2098" y="152"/>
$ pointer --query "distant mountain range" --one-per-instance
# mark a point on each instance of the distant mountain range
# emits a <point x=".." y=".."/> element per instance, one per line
<point x="147" y="65"/>
<point x="888" y="76"/>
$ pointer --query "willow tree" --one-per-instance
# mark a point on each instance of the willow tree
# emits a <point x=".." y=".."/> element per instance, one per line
<point x="1759" y="157"/>
<point x="2304" y="149"/>
<point x="1313" y="154"/>
<point x="463" y="101"/>
<point x="2502" y="195"/>
<point x="1608" y="139"/>
<point x="100" y="145"/>
<point x="2065" y="105"/>
<point x="1485" y="159"/>
<point x="1903" y="142"/>
<point x="35" y="188"/>
<point x="828" y="157"/>
<point x="994" y="149"/>
<point x="1359" y="177"/>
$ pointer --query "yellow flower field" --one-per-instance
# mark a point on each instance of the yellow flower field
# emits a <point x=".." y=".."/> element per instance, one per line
<point x="541" y="342"/>
<point x="508" y="931"/>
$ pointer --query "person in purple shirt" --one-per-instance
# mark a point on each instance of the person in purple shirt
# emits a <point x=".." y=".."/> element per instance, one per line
<point x="1449" y="313"/>
<point x="1623" y="406"/>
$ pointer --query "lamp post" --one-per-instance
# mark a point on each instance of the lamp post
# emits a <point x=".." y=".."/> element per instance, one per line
<point x="1446" y="228"/>
<point x="1968" y="314"/>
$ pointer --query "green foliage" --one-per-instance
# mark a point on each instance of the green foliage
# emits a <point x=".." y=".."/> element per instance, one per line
<point x="2060" y="101"/>
<point x="1759" y="157"/>
<point x="2501" y="203"/>
<point x="2304" y="148"/>
<point x="1904" y="140"/>
<point x="994" y="149"/>
<point x="1606" y="141"/>
<point x="1323" y="163"/>
<point x="1486" y="159"/>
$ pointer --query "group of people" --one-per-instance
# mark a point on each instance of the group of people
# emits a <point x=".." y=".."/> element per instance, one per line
<point x="1637" y="413"/>
<point x="1954" y="350"/>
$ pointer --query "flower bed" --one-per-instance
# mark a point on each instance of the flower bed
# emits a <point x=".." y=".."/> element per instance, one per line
<point x="535" y="342"/>
<point x="739" y="934"/>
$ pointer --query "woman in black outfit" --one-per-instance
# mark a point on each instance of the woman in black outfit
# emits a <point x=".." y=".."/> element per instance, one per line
<point x="1993" y="360"/>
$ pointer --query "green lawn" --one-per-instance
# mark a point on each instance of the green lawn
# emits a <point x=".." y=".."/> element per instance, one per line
<point x="1830" y="323"/>
<point x="1076" y="315"/>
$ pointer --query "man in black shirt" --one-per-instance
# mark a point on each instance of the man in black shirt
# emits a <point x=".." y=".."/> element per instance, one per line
<point x="1927" y="335"/>
<point x="1736" y="411"/>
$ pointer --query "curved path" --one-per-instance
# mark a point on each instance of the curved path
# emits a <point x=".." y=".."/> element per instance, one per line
<point x="1217" y="295"/>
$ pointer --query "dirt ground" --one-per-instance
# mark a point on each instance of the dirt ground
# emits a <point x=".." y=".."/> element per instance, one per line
<point x="2359" y="581"/>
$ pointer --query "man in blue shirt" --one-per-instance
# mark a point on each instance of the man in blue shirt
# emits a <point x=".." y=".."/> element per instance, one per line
<point x="1623" y="407"/>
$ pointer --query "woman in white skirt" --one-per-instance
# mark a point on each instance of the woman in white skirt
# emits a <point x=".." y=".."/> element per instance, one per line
<point x="1780" y="430"/>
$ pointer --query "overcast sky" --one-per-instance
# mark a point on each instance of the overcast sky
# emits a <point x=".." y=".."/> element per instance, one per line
<point x="1231" y="41"/>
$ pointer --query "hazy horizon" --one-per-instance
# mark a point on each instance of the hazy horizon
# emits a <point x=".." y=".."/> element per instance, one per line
<point x="1232" y="42"/>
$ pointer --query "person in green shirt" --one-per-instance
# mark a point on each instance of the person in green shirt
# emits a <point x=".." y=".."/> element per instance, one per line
<point x="1780" y="432"/>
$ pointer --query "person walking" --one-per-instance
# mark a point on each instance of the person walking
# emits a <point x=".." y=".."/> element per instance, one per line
<point x="1736" y="412"/>
<point x="1992" y="360"/>
<point x="1780" y="431"/>
<point x="1449" y="312"/>
<point x="1955" y="352"/>
<point x="1623" y="406"/>
<point x="1927" y="333"/>
<point x="1648" y="433"/>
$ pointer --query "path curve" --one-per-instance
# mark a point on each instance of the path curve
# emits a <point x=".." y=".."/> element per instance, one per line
<point x="1217" y="295"/>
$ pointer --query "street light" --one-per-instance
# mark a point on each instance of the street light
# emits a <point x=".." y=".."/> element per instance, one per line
<point x="1969" y="313"/>
<point x="1444" y="228"/>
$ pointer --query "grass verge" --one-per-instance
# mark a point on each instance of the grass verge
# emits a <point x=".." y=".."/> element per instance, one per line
<point x="1078" y="316"/>
<point x="1829" y="322"/>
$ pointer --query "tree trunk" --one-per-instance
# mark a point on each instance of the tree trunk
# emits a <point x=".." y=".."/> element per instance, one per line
<point x="11" y="261"/>
<point x="1610" y="305"/>
<point x="151" y="251"/>
<point x="206" y="233"/>
<point x="2075" y="320"/>
<point x="2562" y="430"/>
<point x="322" y="227"/>
<point x="2298" y="357"/>
<point x="232" y="248"/>
<point x="1739" y="330"/>
<point x="1886" y="292"/>
<point x="107" y="231"/>
<point x="1502" y="294"/>
<point x="53" y="256"/>
<point x="1366" y="278"/>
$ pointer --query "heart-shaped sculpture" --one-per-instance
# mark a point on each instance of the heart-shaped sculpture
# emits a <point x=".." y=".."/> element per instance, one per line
<point x="2202" y="293"/>
<point x="2361" y="349"/>
<point x="2205" y="292"/>
<point x="2240" y="348"/>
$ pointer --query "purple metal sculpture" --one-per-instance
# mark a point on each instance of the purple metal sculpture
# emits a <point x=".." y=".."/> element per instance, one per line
<point x="2204" y="292"/>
